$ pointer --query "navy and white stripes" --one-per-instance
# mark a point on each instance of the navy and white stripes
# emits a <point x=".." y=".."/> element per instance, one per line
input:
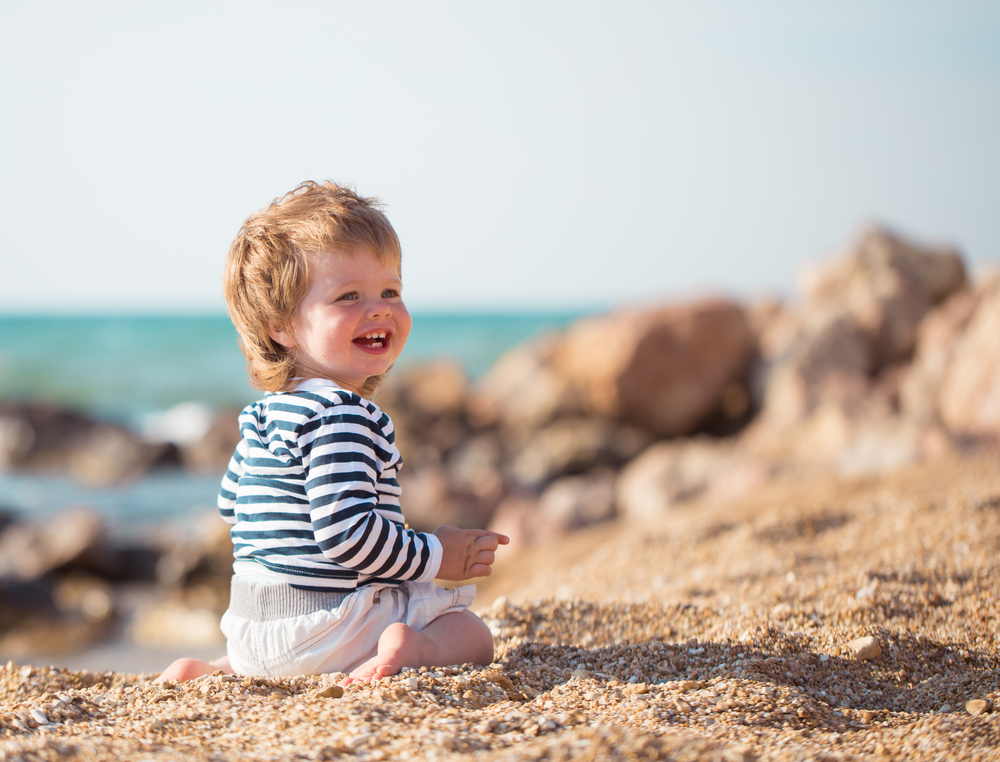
<point x="312" y="495"/>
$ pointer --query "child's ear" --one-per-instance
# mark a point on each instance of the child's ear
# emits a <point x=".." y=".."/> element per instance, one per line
<point x="281" y="335"/>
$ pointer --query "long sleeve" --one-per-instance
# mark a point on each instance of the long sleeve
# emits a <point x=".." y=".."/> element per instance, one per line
<point x="350" y="482"/>
<point x="312" y="493"/>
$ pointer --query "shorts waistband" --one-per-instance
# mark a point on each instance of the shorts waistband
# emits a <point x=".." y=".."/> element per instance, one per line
<point x="268" y="602"/>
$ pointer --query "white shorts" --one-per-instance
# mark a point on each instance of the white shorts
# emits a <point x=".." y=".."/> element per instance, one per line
<point x="335" y="639"/>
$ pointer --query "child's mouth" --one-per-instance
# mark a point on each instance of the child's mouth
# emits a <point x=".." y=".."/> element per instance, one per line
<point x="376" y="340"/>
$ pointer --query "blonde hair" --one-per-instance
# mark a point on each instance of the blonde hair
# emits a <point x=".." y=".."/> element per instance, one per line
<point x="267" y="269"/>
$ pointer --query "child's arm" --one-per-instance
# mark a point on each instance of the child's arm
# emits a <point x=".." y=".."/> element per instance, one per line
<point x="468" y="553"/>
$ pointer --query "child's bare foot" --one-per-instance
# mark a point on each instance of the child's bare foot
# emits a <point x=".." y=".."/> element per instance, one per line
<point x="399" y="646"/>
<point x="186" y="669"/>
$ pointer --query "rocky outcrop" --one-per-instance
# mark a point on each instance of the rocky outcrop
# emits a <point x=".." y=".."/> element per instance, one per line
<point x="857" y="316"/>
<point x="664" y="370"/>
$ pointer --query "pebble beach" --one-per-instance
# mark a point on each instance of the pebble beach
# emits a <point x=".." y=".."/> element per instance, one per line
<point x="817" y="618"/>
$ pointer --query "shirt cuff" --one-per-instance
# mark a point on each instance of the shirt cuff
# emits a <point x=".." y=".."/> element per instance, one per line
<point x="434" y="562"/>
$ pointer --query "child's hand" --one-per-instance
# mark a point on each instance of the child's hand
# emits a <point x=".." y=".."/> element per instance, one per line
<point x="468" y="553"/>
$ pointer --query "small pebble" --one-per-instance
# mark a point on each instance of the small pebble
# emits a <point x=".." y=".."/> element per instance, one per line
<point x="977" y="707"/>
<point x="330" y="691"/>
<point x="39" y="716"/>
<point x="864" y="648"/>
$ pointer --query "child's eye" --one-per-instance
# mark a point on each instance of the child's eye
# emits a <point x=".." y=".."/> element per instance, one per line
<point x="390" y="293"/>
<point x="347" y="297"/>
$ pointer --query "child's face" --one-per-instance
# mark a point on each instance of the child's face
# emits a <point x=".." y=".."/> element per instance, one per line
<point x="353" y="323"/>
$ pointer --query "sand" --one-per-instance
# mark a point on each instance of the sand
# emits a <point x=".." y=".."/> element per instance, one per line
<point x="814" y="619"/>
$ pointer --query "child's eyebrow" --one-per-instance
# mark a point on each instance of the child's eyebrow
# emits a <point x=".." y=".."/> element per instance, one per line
<point x="353" y="284"/>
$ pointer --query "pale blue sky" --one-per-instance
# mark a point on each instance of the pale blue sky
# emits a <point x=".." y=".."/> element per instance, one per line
<point x="532" y="154"/>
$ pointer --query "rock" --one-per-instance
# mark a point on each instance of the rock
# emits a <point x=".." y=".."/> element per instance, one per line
<point x="573" y="502"/>
<point x="969" y="400"/>
<point x="885" y="285"/>
<point x="858" y="317"/>
<point x="670" y="473"/>
<point x="864" y="648"/>
<point x="521" y="390"/>
<point x="474" y="466"/>
<point x="567" y="504"/>
<point x="211" y="452"/>
<point x="879" y="446"/>
<point x="515" y="516"/>
<point x="201" y="556"/>
<point x="827" y="363"/>
<point x="431" y="499"/>
<point x="330" y="691"/>
<point x="574" y="445"/>
<point x="937" y="339"/>
<point x="976" y="707"/>
<point x="427" y="389"/>
<point x="45" y="438"/>
<point x="22" y="600"/>
<point x="665" y="370"/>
<point x="29" y="550"/>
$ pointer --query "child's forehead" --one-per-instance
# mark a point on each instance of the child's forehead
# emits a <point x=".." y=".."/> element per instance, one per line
<point x="346" y="253"/>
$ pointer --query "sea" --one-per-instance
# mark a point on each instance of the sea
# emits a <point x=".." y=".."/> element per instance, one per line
<point x="145" y="371"/>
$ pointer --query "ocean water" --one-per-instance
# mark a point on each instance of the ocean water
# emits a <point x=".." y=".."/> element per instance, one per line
<point x="131" y="368"/>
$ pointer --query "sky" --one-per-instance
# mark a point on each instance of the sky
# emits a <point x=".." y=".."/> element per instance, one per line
<point x="531" y="155"/>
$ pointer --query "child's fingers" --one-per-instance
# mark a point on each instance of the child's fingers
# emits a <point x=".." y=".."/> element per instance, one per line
<point x="480" y="570"/>
<point x="491" y="541"/>
<point x="484" y="557"/>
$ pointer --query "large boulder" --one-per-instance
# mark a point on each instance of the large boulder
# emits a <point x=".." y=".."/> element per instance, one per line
<point x="969" y="400"/>
<point x="885" y="284"/>
<point x="857" y="320"/>
<point x="522" y="391"/>
<point x="666" y="370"/>
<point x="426" y="402"/>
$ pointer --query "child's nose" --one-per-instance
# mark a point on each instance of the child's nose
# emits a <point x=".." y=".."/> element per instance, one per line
<point x="379" y="308"/>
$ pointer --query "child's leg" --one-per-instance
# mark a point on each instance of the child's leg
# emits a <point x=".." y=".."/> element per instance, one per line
<point x="455" y="638"/>
<point x="188" y="669"/>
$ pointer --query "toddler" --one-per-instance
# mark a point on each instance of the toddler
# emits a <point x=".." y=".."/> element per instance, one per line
<point x="327" y="577"/>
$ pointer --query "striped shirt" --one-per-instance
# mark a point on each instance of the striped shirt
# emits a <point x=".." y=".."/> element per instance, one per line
<point x="312" y="495"/>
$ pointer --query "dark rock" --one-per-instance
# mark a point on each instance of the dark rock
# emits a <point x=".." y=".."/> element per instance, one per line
<point x="45" y="438"/>
<point x="30" y="550"/>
